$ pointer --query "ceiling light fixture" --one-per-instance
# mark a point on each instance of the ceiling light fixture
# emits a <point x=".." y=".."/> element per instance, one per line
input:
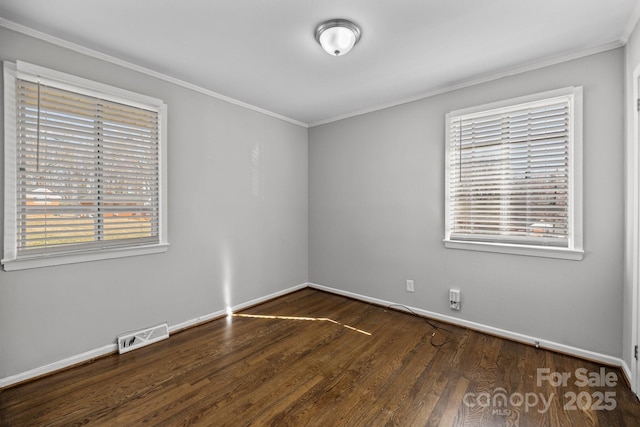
<point x="337" y="36"/>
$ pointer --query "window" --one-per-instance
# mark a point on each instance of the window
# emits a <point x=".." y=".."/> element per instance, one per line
<point x="514" y="176"/>
<point x="84" y="170"/>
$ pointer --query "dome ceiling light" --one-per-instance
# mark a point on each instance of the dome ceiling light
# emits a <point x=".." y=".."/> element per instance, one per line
<point x="337" y="36"/>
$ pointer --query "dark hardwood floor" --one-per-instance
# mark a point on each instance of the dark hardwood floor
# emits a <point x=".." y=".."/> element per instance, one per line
<point x="316" y="359"/>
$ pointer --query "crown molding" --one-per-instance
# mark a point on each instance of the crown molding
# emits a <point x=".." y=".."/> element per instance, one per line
<point x="631" y="25"/>
<point x="476" y="81"/>
<point x="131" y="66"/>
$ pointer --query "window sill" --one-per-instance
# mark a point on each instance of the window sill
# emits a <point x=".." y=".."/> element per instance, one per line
<point x="60" y="259"/>
<point x="512" y="249"/>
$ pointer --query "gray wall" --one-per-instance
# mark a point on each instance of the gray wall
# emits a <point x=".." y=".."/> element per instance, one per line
<point x="376" y="215"/>
<point x="369" y="216"/>
<point x="237" y="226"/>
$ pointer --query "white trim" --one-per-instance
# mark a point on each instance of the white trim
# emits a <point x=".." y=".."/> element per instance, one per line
<point x="10" y="164"/>
<point x="62" y="258"/>
<point x="576" y="177"/>
<point x="222" y="313"/>
<point x="507" y="248"/>
<point x="514" y="336"/>
<point x="269" y="297"/>
<point x="196" y="321"/>
<point x="635" y="231"/>
<point x="113" y="348"/>
<point x="163" y="178"/>
<point x="57" y="366"/>
<point x="631" y="25"/>
<point x="573" y="95"/>
<point x="22" y="70"/>
<point x="116" y="61"/>
<point x="626" y="371"/>
<point x="94" y="89"/>
<point x="444" y="89"/>
<point x="507" y="105"/>
<point x="476" y="81"/>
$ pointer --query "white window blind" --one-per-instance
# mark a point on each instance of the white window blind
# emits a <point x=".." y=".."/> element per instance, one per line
<point x="510" y="174"/>
<point x="87" y="172"/>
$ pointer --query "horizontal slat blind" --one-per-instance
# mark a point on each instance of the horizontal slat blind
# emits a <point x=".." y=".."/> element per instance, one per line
<point x="87" y="172"/>
<point x="509" y="175"/>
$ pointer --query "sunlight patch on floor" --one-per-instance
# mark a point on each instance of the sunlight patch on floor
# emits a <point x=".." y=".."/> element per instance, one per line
<point x="312" y="319"/>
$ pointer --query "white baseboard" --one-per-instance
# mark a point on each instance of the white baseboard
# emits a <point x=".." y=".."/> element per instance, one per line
<point x="514" y="336"/>
<point x="222" y="313"/>
<point x="59" y="365"/>
<point x="626" y="371"/>
<point x="268" y="297"/>
<point x="113" y="348"/>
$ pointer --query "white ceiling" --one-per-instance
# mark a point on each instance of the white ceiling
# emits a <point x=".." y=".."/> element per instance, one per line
<point x="263" y="53"/>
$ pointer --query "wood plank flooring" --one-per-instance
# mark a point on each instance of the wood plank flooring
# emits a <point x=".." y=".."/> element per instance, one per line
<point x="315" y="359"/>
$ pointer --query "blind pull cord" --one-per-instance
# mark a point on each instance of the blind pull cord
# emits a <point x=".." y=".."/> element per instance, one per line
<point x="38" y="133"/>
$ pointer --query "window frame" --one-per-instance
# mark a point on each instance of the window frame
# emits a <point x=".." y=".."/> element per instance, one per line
<point x="11" y="260"/>
<point x="574" y="249"/>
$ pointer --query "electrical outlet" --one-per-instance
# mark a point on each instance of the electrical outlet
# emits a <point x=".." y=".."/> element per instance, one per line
<point x="454" y="299"/>
<point x="410" y="287"/>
